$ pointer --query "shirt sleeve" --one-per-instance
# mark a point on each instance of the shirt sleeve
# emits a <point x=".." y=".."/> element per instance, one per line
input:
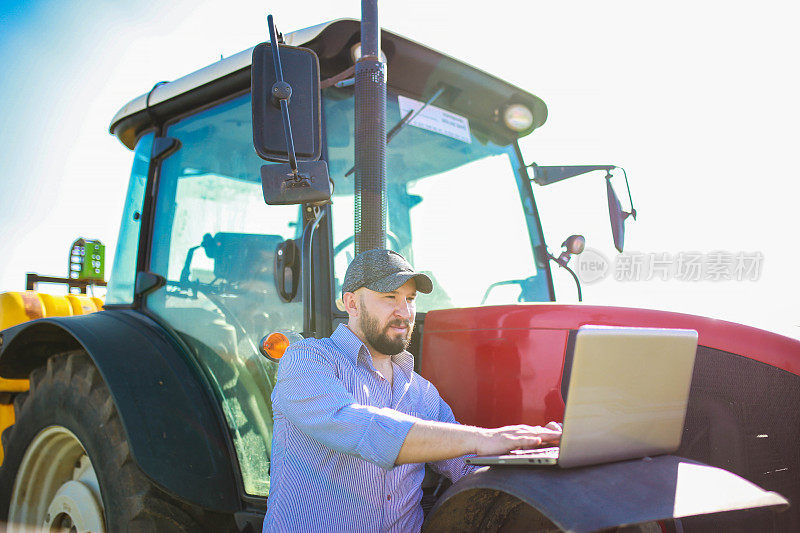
<point x="455" y="468"/>
<point x="311" y="396"/>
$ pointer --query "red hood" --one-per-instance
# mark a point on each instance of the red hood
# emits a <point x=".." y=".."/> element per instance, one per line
<point x="754" y="343"/>
<point x="502" y="365"/>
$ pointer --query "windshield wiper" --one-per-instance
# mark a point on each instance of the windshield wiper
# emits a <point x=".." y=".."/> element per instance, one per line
<point x="407" y="118"/>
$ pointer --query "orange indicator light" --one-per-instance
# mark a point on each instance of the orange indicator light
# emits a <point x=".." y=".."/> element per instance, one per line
<point x="274" y="345"/>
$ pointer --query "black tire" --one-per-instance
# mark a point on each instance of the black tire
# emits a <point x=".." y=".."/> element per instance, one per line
<point x="69" y="392"/>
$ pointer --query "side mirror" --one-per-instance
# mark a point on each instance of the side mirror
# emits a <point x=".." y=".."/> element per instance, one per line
<point x="547" y="175"/>
<point x="282" y="75"/>
<point x="301" y="72"/>
<point x="617" y="216"/>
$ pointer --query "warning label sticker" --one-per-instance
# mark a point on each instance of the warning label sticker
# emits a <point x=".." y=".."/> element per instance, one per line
<point x="436" y="119"/>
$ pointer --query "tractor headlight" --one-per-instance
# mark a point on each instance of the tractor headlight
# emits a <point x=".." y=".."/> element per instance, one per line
<point x="518" y="117"/>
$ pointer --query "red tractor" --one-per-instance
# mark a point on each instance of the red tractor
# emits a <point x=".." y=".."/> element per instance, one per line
<point x="155" y="413"/>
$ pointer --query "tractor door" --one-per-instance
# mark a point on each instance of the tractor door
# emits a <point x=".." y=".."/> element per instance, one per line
<point x="215" y="242"/>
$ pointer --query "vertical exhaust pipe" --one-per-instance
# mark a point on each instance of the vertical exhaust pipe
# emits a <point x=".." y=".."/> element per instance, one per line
<point x="370" y="135"/>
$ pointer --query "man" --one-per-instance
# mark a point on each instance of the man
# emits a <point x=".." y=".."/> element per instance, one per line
<point x="354" y="424"/>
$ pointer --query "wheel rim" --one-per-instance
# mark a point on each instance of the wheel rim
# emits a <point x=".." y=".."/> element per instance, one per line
<point x="56" y="486"/>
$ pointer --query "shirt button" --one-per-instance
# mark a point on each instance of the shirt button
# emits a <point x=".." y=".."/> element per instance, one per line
<point x="389" y="497"/>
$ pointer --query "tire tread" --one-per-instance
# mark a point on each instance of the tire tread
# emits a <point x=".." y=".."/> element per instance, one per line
<point x="132" y="501"/>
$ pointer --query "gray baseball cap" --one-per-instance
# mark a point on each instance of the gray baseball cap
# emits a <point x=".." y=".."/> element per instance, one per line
<point x="382" y="271"/>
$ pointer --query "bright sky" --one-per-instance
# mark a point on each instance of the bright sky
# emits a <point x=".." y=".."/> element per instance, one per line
<point x="697" y="100"/>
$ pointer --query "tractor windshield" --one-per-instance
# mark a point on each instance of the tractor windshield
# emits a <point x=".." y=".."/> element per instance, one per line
<point x="454" y="205"/>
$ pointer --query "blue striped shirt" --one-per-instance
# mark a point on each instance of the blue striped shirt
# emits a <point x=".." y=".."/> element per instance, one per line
<point x="339" y="426"/>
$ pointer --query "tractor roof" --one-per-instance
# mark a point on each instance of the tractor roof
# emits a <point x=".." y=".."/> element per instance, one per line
<point x="413" y="69"/>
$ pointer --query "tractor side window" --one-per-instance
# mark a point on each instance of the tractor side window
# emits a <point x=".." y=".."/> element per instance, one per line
<point x="215" y="241"/>
<point x="123" y="275"/>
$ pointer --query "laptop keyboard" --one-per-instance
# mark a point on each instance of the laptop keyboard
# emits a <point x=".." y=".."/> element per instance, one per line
<point x="537" y="452"/>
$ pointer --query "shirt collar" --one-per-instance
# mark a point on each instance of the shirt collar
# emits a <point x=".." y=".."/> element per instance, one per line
<point x="347" y="342"/>
<point x="350" y="345"/>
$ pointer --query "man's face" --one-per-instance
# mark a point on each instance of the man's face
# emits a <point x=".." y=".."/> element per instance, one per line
<point x="387" y="318"/>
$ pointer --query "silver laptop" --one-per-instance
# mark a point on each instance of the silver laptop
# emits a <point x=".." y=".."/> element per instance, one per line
<point x="626" y="397"/>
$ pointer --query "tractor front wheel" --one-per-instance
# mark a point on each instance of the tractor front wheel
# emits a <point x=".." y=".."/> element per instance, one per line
<point x="68" y="466"/>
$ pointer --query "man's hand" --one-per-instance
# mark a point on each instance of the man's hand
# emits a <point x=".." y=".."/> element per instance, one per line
<point x="430" y="441"/>
<point x="502" y="440"/>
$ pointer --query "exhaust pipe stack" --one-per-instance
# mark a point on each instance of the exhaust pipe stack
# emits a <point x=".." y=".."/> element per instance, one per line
<point x="370" y="135"/>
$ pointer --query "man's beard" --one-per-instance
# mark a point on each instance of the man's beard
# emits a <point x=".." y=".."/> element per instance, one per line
<point x="379" y="338"/>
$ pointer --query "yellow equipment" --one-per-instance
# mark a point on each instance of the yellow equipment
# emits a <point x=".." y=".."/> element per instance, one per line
<point x="19" y="307"/>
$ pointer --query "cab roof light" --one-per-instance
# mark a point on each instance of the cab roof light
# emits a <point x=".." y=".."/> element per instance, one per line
<point x="518" y="117"/>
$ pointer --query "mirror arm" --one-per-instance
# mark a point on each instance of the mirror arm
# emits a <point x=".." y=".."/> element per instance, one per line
<point x="280" y="95"/>
<point x="546" y="175"/>
<point x="630" y="198"/>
